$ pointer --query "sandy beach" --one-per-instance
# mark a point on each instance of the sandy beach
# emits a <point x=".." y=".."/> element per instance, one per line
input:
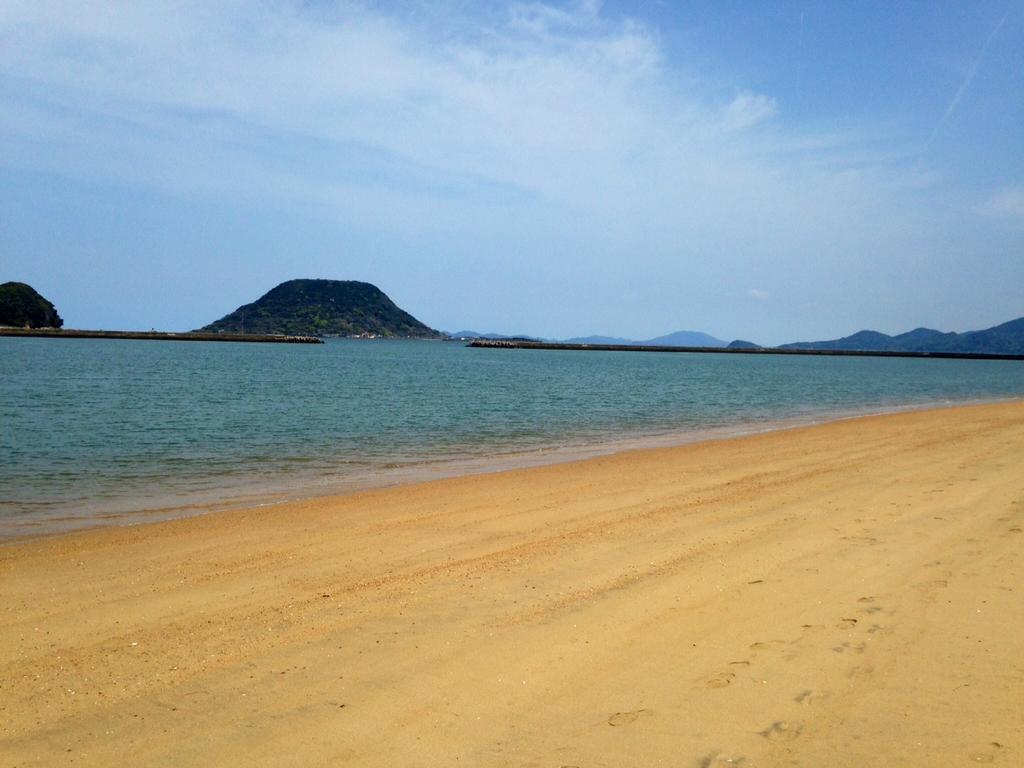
<point x="849" y="594"/>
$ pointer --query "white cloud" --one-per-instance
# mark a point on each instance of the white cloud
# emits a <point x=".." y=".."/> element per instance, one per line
<point x="757" y="293"/>
<point x="1007" y="203"/>
<point x="522" y="107"/>
<point x="542" y="18"/>
<point x="548" y="134"/>
<point x="747" y="110"/>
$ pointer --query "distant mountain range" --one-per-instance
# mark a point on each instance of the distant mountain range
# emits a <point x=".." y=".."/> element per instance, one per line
<point x="1005" y="339"/>
<point x="469" y="335"/>
<point x="324" y="308"/>
<point x="355" y="309"/>
<point x="677" y="339"/>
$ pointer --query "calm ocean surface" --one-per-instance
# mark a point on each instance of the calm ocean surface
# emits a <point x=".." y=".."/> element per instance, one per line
<point x="118" y="431"/>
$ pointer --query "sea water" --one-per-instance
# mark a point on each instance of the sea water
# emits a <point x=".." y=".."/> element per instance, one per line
<point x="102" y="430"/>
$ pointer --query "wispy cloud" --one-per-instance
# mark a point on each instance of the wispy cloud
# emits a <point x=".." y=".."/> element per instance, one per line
<point x="554" y="142"/>
<point x="552" y="101"/>
<point x="965" y="84"/>
<point x="747" y="110"/>
<point x="1007" y="203"/>
<point x="545" y="88"/>
<point x="543" y="19"/>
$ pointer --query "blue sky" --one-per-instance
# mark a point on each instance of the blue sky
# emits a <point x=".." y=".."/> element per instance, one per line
<point x="764" y="171"/>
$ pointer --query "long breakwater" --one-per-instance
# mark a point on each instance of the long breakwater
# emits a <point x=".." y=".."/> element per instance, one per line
<point x="517" y="344"/>
<point x="59" y="333"/>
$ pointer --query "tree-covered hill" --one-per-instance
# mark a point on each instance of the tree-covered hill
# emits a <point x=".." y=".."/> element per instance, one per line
<point x="21" y="306"/>
<point x="324" y="308"/>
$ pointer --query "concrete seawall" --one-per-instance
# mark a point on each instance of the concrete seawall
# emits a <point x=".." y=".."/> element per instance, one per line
<point x="509" y="344"/>
<point x="55" y="333"/>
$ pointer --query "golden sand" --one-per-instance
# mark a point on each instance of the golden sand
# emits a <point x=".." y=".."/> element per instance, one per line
<point x="850" y="594"/>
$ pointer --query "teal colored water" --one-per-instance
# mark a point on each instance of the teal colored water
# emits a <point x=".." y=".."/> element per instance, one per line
<point x="91" y="429"/>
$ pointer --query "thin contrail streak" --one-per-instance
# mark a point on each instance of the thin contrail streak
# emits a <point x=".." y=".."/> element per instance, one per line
<point x="967" y="80"/>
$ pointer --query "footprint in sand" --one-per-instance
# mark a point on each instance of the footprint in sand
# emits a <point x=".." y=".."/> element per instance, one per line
<point x="860" y="673"/>
<point x="625" y="718"/>
<point x="764" y="646"/>
<point x="719" y="760"/>
<point x="781" y="730"/>
<point x="929" y="589"/>
<point x="850" y="648"/>
<point x="808" y="697"/>
<point x="988" y="754"/>
<point x="846" y="624"/>
<point x="870" y="540"/>
<point x="719" y="680"/>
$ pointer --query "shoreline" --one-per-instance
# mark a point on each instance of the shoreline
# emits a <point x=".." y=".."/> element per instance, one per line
<point x="303" y="488"/>
<point x="842" y="594"/>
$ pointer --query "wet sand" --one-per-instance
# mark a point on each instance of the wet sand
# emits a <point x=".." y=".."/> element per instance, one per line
<point x="847" y="594"/>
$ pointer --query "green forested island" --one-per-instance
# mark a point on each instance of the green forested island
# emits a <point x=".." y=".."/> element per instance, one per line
<point x="21" y="306"/>
<point x="324" y="308"/>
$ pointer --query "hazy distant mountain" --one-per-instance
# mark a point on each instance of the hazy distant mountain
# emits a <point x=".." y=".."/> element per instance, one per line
<point x="1006" y="339"/>
<point x="685" y="339"/>
<point x="677" y="339"/>
<point x="492" y="336"/>
<point x="922" y="339"/>
<point x="598" y="340"/>
<point x="21" y="306"/>
<point x="324" y="308"/>
<point x="862" y="340"/>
